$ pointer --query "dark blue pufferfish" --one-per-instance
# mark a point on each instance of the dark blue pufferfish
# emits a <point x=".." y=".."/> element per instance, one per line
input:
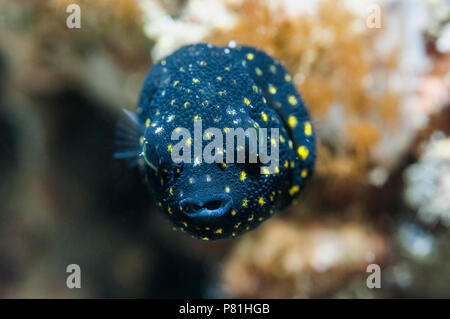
<point x="226" y="88"/>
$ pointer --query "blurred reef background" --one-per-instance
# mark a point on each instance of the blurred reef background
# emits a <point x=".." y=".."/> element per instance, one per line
<point x="379" y="98"/>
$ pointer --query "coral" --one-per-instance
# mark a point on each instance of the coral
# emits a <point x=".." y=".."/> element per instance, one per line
<point x="428" y="182"/>
<point x="288" y="260"/>
<point x="171" y="26"/>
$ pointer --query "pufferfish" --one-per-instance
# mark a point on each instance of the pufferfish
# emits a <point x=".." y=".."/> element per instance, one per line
<point x="225" y="87"/>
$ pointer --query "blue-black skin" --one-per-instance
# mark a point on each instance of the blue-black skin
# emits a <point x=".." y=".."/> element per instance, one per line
<point x="226" y="88"/>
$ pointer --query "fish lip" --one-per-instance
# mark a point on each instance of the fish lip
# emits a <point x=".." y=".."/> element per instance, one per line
<point x="205" y="212"/>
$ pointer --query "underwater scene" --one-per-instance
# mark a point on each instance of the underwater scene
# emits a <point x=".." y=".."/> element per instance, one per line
<point x="286" y="149"/>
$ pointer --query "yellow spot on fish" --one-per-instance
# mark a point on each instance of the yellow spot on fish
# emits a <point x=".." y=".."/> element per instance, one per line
<point x="246" y="101"/>
<point x="272" y="90"/>
<point x="227" y="189"/>
<point x="224" y="165"/>
<point x="208" y="178"/>
<point x="260" y="219"/>
<point x="196" y="118"/>
<point x="159" y="204"/>
<point x="169" y="210"/>
<point x="185" y="224"/>
<point x="147" y="122"/>
<point x="172" y="102"/>
<point x="182" y="69"/>
<point x="287" y="78"/>
<point x="170" y="147"/>
<point x="189" y="141"/>
<point x="303" y="152"/>
<point x="219" y="78"/>
<point x="250" y="56"/>
<point x="202" y="63"/>
<point x="264" y="100"/>
<point x="233" y="234"/>
<point x="227" y="68"/>
<point x="219" y="231"/>
<point x="308" y="129"/>
<point x="237" y="225"/>
<point x="261" y="201"/>
<point x="282" y="140"/>
<point x="286" y="164"/>
<point x="141" y="140"/>
<point x="264" y="117"/>
<point x="277" y="170"/>
<point x="186" y="104"/>
<point x="171" y="191"/>
<point x="251" y="217"/>
<point x="265" y="171"/>
<point x="255" y="88"/>
<point x="304" y="173"/>
<point x="243" y="176"/>
<point x="291" y="145"/>
<point x="292" y="100"/>
<point x="294" y="189"/>
<point x="163" y="62"/>
<point x="176" y="83"/>
<point x="245" y="202"/>
<point x="273" y="69"/>
<point x="233" y="212"/>
<point x="292" y="120"/>
<point x="258" y="72"/>
<point x="205" y="238"/>
<point x="195" y="80"/>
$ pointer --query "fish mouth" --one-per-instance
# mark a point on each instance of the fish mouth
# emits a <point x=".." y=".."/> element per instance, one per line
<point x="211" y="206"/>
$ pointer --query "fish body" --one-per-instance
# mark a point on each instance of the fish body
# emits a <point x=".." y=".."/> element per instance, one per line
<point x="224" y="88"/>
